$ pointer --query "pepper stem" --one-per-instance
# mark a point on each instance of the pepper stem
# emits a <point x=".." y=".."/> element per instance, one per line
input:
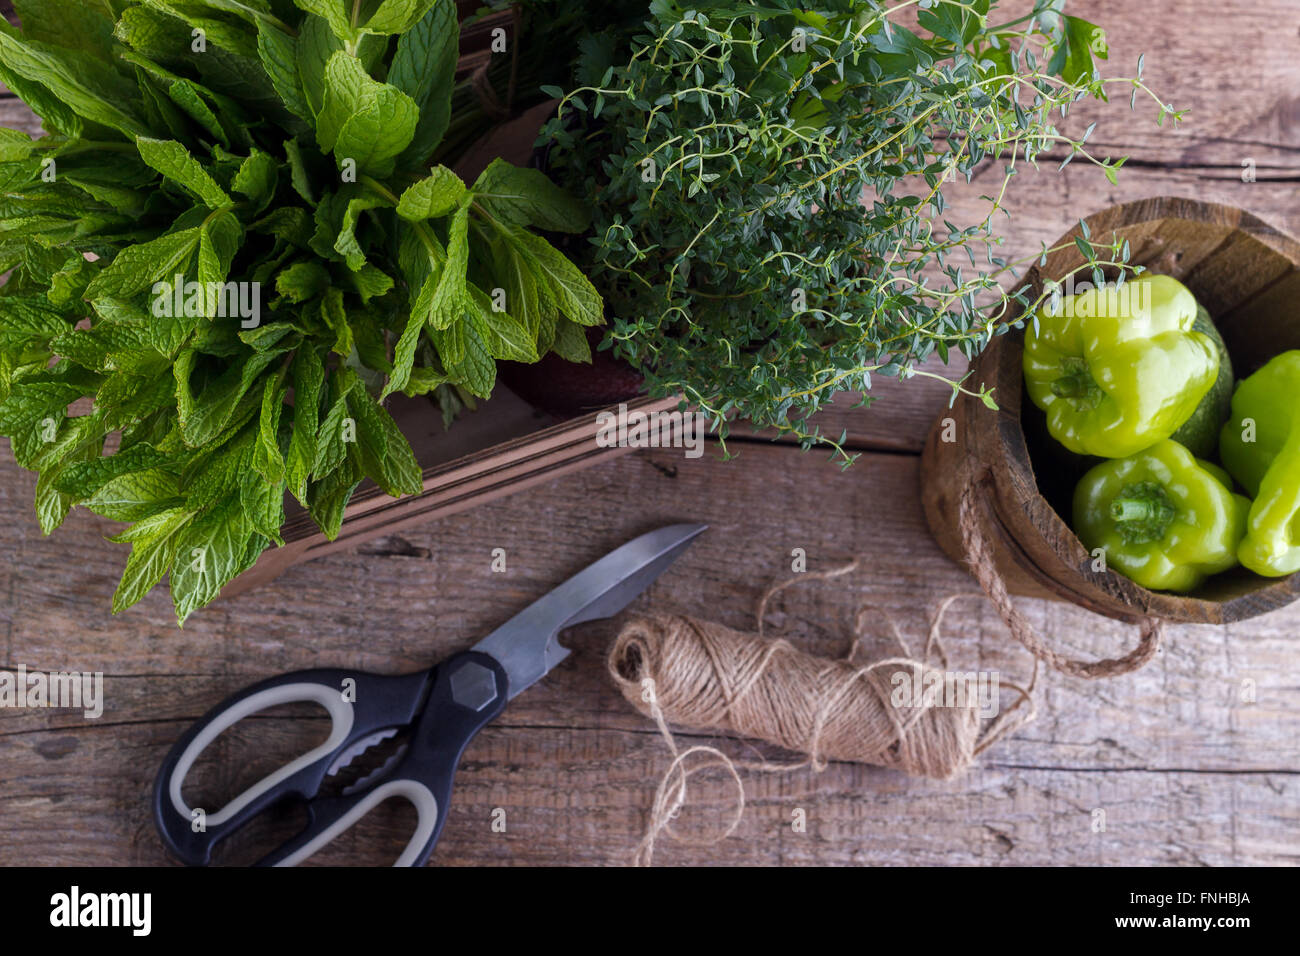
<point x="1136" y="509"/>
<point x="1076" y="384"/>
<point x="1072" y="386"/>
<point x="1142" y="512"/>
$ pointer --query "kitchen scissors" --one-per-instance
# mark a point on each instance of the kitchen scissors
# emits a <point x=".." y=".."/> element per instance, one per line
<point x="442" y="708"/>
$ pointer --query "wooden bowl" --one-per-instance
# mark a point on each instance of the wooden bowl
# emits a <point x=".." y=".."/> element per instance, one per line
<point x="1247" y="274"/>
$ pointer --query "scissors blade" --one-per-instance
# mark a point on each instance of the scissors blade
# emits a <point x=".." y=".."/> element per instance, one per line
<point x="527" y="645"/>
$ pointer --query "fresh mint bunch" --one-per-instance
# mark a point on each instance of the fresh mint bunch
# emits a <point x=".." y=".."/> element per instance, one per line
<point x="769" y="184"/>
<point x="275" y="155"/>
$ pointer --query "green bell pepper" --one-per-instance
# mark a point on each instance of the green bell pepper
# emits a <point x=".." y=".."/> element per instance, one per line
<point x="1260" y="445"/>
<point x="1117" y="369"/>
<point x="1263" y="410"/>
<point x="1164" y="518"/>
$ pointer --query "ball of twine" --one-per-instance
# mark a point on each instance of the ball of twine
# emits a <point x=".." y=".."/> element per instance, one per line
<point x="702" y="675"/>
<point x="707" y="676"/>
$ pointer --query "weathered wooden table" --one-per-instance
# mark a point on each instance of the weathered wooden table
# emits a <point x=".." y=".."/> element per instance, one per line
<point x="1186" y="772"/>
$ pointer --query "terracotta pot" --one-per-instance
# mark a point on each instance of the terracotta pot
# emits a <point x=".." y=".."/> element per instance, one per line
<point x="1247" y="274"/>
<point x="571" y="388"/>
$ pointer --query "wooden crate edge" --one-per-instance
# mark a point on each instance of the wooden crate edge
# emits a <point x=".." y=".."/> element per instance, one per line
<point x="449" y="488"/>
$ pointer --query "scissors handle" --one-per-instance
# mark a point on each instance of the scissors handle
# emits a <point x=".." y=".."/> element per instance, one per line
<point x="358" y="703"/>
<point x="467" y="692"/>
<point x="459" y="696"/>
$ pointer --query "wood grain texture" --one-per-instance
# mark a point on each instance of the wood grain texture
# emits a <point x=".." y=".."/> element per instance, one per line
<point x="572" y="764"/>
<point x="1186" y="771"/>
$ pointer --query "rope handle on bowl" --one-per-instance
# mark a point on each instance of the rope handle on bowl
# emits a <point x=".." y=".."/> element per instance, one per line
<point x="979" y="557"/>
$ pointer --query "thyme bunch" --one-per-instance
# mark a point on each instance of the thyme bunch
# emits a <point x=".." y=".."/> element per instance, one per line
<point x="769" y="181"/>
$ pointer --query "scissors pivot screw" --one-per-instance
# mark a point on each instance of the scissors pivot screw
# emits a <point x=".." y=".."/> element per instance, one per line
<point x="473" y="686"/>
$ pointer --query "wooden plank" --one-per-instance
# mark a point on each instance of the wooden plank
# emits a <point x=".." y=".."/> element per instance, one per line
<point x="432" y="592"/>
<point x="85" y="804"/>
<point x="1231" y="66"/>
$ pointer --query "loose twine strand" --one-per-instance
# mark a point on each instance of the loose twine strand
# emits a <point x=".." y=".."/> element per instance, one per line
<point x="979" y="558"/>
<point x="703" y="675"/>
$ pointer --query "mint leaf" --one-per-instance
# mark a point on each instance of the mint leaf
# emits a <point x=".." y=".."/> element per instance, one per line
<point x="186" y="95"/>
<point x="256" y="178"/>
<point x="51" y="506"/>
<point x="505" y="337"/>
<point x="152" y="526"/>
<point x="525" y="197"/>
<point x="424" y="68"/>
<point x="433" y="197"/>
<point x="277" y="51"/>
<point x="308" y="378"/>
<point x="384" y="453"/>
<point x="298" y="174"/>
<point x="404" y="355"/>
<point x="210" y="550"/>
<point x="423" y="381"/>
<point x="175" y="162"/>
<point x="362" y="119"/>
<point x="151" y="555"/>
<point x="71" y="81"/>
<point x="14" y="145"/>
<point x="136" y="268"/>
<point x="30" y="402"/>
<point x="336" y="319"/>
<point x="334" y="13"/>
<point x="48" y="106"/>
<point x="73" y="24"/>
<point x="28" y="321"/>
<point x="136" y="495"/>
<point x="124" y="401"/>
<point x="82" y="479"/>
<point x="263" y="505"/>
<point x="398" y="16"/>
<point x="346" y="244"/>
<point x="292" y="224"/>
<point x="211" y="474"/>
<point x="219" y="240"/>
<point x="570" y="342"/>
<point x="316" y="44"/>
<point x="574" y="294"/>
<point x="369" y="282"/>
<point x="68" y="284"/>
<point x="328" y="497"/>
<point x="466" y="357"/>
<point x="203" y="417"/>
<point x="267" y="460"/>
<point x="330" y="446"/>
<point x="302" y="281"/>
<point x="442" y="299"/>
